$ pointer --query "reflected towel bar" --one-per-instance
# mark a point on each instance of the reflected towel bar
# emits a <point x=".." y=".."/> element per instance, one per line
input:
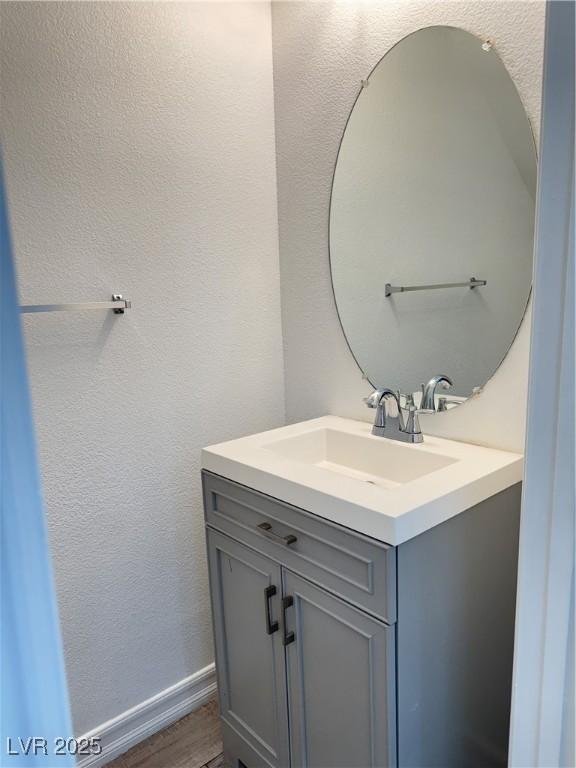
<point x="118" y="304"/>
<point x="390" y="289"/>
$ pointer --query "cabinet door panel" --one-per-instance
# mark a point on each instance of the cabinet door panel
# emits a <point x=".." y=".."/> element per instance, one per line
<point x="249" y="651"/>
<point x="341" y="677"/>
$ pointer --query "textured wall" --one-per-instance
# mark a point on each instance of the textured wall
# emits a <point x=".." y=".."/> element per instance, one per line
<point x="138" y="142"/>
<point x="321" y="51"/>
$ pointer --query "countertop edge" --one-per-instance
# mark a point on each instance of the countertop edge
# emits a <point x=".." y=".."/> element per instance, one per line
<point x="377" y="525"/>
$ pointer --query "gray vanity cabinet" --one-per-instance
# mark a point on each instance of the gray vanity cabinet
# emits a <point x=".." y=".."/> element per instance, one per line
<point x="340" y="680"/>
<point x="334" y="650"/>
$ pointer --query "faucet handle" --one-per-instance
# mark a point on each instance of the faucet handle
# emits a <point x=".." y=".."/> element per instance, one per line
<point x="444" y="402"/>
<point x="413" y="423"/>
<point x="408" y="400"/>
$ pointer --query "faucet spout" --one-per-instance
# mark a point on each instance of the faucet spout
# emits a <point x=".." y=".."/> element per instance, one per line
<point x="385" y="425"/>
<point x="428" y="402"/>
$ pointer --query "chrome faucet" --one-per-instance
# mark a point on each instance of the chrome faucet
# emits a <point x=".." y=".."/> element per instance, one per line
<point x="394" y="427"/>
<point x="428" y="402"/>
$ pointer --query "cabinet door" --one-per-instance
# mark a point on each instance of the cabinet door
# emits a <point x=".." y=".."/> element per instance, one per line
<point x="246" y="594"/>
<point x="341" y="680"/>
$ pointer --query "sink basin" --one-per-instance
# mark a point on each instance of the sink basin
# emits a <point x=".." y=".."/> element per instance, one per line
<point x="337" y="469"/>
<point x="377" y="461"/>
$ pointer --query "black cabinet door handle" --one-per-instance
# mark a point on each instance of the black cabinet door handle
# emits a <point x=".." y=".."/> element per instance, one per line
<point x="266" y="529"/>
<point x="271" y="626"/>
<point x="288" y="638"/>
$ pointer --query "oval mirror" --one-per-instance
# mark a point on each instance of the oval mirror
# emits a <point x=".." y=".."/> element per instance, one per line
<point x="432" y="214"/>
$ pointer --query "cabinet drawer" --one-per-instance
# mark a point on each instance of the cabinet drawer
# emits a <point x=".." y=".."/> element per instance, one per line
<point x="359" y="569"/>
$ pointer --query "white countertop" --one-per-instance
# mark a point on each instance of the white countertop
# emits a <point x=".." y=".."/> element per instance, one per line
<point x="388" y="510"/>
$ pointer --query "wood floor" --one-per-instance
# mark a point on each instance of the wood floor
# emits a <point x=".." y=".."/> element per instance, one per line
<point x="193" y="742"/>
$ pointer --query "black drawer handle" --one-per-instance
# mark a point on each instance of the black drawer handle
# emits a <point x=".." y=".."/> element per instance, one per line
<point x="266" y="529"/>
<point x="271" y="626"/>
<point x="287" y="602"/>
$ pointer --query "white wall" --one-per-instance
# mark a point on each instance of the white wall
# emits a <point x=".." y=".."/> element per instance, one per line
<point x="321" y="52"/>
<point x="138" y="142"/>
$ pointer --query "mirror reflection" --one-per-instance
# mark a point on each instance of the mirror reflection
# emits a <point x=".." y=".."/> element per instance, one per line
<point x="432" y="214"/>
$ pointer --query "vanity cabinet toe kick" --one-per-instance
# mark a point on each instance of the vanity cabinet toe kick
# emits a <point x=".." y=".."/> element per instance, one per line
<point x="337" y="650"/>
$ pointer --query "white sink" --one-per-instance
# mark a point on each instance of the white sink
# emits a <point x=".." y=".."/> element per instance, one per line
<point x="379" y="461"/>
<point x="389" y="490"/>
